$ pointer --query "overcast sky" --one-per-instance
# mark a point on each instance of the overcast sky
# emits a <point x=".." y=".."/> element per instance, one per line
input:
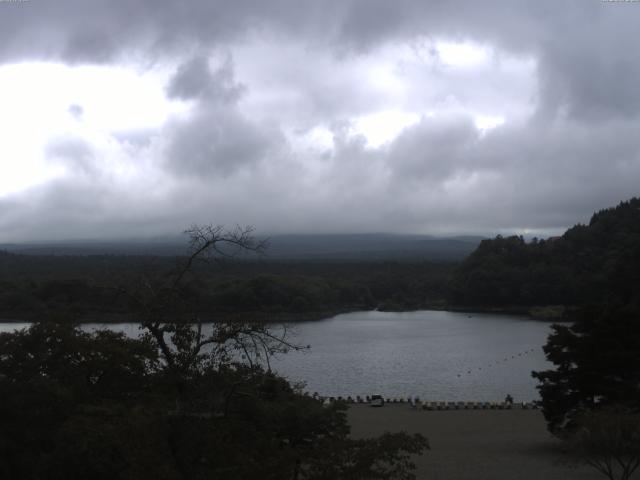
<point x="141" y="117"/>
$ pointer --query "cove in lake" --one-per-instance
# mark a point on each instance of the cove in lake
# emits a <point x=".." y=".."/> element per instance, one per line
<point x="436" y="355"/>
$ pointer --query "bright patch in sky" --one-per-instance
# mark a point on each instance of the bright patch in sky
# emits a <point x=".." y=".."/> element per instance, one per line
<point x="462" y="54"/>
<point x="485" y="122"/>
<point x="321" y="137"/>
<point x="42" y="101"/>
<point x="382" y="127"/>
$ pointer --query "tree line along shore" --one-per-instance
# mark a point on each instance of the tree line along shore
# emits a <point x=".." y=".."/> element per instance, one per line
<point x="545" y="278"/>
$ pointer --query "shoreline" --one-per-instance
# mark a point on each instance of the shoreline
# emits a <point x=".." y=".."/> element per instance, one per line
<point x="263" y="317"/>
<point x="293" y="317"/>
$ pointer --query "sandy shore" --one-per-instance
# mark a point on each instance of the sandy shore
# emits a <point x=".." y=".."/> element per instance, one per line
<point x="476" y="444"/>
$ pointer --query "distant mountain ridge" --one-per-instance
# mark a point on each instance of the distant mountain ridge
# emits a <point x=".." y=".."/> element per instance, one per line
<point x="371" y="247"/>
<point x="358" y="247"/>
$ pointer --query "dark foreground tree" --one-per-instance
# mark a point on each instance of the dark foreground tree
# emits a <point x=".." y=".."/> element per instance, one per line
<point x="183" y="401"/>
<point x="609" y="441"/>
<point x="597" y="364"/>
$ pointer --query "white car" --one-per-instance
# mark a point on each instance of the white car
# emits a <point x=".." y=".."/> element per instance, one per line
<point x="377" y="401"/>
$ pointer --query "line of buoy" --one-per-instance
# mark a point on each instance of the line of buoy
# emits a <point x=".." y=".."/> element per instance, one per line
<point x="505" y="359"/>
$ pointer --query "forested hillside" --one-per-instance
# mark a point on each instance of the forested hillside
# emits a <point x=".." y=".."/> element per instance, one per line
<point x="86" y="287"/>
<point x="594" y="263"/>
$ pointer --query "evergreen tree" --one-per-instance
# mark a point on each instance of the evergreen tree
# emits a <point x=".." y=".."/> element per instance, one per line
<point x="597" y="364"/>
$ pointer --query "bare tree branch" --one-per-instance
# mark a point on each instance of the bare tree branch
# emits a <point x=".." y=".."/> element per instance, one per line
<point x="164" y="311"/>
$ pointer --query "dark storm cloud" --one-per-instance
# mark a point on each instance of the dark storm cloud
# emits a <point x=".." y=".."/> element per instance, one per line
<point x="191" y="79"/>
<point x="568" y="146"/>
<point x="217" y="139"/>
<point x="592" y="74"/>
<point x="99" y="31"/>
<point x="65" y="209"/>
<point x="194" y="79"/>
<point x="587" y="61"/>
<point x="588" y="66"/>
<point x="568" y="169"/>
<point x="434" y="150"/>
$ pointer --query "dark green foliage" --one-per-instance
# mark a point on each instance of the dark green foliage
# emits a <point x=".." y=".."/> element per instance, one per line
<point x="595" y="268"/>
<point x="599" y="262"/>
<point x="76" y="405"/>
<point x="376" y="459"/>
<point x="597" y="364"/>
<point x="82" y="288"/>
<point x="50" y="375"/>
<point x="276" y="293"/>
<point x="178" y="403"/>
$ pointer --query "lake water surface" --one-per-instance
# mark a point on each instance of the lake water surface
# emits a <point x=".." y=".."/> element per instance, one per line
<point x="438" y="356"/>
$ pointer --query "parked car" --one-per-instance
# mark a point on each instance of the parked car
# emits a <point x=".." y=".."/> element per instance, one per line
<point x="377" y="401"/>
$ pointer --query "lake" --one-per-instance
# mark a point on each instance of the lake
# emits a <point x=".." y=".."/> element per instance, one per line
<point x="438" y="356"/>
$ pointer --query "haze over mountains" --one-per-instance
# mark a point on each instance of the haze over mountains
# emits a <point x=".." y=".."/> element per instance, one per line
<point x="374" y="246"/>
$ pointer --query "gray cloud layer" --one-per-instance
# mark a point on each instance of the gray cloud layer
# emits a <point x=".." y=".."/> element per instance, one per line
<point x="259" y="76"/>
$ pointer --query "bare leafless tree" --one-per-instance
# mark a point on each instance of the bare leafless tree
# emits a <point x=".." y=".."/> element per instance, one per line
<point x="163" y="308"/>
